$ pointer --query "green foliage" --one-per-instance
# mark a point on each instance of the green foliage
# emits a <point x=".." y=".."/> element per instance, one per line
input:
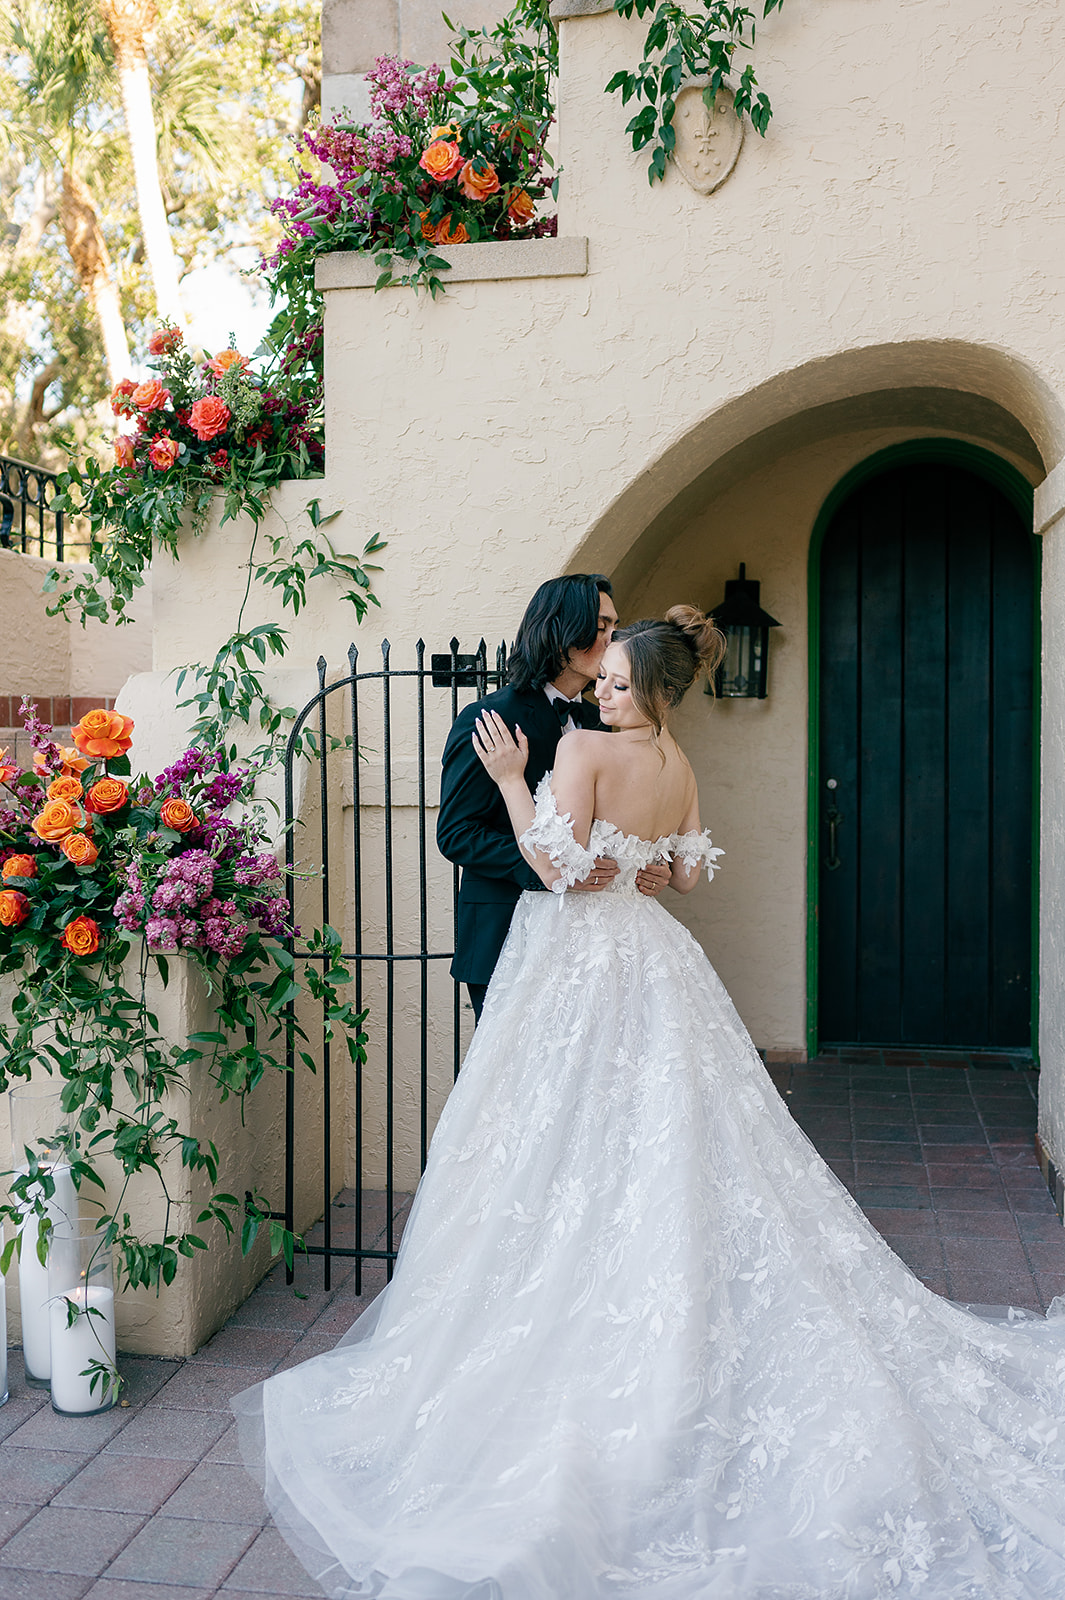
<point x="222" y="76"/>
<point x="682" y="44"/>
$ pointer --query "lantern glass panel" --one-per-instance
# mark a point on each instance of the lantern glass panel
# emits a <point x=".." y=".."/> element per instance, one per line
<point x="743" y="671"/>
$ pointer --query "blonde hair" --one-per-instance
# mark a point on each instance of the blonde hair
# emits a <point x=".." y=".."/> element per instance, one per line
<point x="665" y="658"/>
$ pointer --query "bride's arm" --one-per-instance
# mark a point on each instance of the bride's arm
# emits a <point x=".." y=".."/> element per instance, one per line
<point x="683" y="878"/>
<point x="573" y="785"/>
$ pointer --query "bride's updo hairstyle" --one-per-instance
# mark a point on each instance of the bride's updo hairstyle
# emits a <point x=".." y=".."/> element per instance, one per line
<point x="666" y="657"/>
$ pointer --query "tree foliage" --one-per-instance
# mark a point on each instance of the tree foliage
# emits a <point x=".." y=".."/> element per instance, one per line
<point x="230" y="83"/>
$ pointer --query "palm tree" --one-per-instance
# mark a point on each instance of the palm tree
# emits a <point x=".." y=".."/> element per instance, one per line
<point x="60" y="68"/>
<point x="127" y="23"/>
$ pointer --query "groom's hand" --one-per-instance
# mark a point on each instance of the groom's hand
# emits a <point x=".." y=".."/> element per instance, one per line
<point x="653" y="879"/>
<point x="601" y="875"/>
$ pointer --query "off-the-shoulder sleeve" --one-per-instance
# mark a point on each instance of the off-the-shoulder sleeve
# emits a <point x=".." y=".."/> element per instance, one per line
<point x="553" y="834"/>
<point x="695" y="849"/>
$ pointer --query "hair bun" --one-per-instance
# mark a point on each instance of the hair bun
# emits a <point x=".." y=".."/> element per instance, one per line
<point x="707" y="640"/>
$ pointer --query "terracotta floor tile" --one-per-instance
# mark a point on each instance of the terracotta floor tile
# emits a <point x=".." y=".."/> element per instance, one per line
<point x="23" y="1585"/>
<point x="32" y="1477"/>
<point x="137" y="1484"/>
<point x="975" y="1225"/>
<point x="69" y="1539"/>
<point x="270" y="1568"/>
<point x="203" y="1552"/>
<point x="215" y="1491"/>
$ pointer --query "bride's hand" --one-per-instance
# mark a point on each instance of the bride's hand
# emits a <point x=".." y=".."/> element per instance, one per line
<point x="502" y="755"/>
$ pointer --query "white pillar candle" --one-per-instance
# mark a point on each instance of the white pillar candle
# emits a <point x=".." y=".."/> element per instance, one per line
<point x="74" y="1346"/>
<point x="3" y="1338"/>
<point x="33" y="1277"/>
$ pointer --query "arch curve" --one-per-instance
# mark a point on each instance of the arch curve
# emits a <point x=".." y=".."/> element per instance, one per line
<point x="979" y="392"/>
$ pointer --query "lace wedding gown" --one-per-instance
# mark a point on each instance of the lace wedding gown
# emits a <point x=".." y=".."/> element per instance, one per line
<point x="641" y="1344"/>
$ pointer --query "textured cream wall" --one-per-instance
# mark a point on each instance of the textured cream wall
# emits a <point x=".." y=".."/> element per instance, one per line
<point x="885" y="265"/>
<point x="47" y="656"/>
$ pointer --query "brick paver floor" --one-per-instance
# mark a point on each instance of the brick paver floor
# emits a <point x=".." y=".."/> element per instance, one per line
<point x="150" y="1502"/>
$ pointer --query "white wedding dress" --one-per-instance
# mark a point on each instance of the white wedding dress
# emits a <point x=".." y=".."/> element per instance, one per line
<point x="641" y="1344"/>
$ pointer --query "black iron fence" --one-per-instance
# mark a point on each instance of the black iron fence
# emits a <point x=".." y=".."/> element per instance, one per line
<point x="27" y="521"/>
<point x="359" y="806"/>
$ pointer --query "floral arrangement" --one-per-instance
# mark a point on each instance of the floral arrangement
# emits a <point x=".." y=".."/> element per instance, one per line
<point x="87" y="856"/>
<point x="104" y="877"/>
<point x="209" y="420"/>
<point x="428" y="170"/>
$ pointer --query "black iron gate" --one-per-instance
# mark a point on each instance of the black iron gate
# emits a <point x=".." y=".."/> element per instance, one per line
<point x="368" y="743"/>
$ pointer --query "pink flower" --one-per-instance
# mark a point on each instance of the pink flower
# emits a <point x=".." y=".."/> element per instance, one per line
<point x="124" y="452"/>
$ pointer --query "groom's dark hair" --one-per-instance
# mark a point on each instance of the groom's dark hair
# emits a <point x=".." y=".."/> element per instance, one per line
<point x="563" y="615"/>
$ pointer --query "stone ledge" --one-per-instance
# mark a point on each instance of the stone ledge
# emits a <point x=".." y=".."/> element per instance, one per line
<point x="562" y="9"/>
<point x="470" y="263"/>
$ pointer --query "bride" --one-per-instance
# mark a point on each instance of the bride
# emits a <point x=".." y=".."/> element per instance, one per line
<point x="641" y="1343"/>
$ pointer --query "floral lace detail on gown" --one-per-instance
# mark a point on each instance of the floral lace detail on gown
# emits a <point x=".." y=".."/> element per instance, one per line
<point x="552" y="833"/>
<point x="641" y="1344"/>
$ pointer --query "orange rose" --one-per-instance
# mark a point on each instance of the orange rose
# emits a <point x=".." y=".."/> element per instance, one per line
<point x="65" y="789"/>
<point x="72" y="763"/>
<point x="479" y="182"/>
<point x="208" y="417"/>
<point x="164" y="452"/>
<point x="7" y="771"/>
<point x="81" y="937"/>
<point x="103" y="734"/>
<point x="521" y="209"/>
<point x="106" y="794"/>
<point x="151" y="396"/>
<point x="56" y="820"/>
<point x="449" y="130"/>
<point x="79" y="848"/>
<point x="19" y="867"/>
<point x="179" y="815"/>
<point x="445" y="234"/>
<point x="221" y="363"/>
<point x="14" y="908"/>
<point x="441" y="160"/>
<point x="122" y="398"/>
<point x="124" y="457"/>
<point x="164" y="339"/>
<point x="428" y="228"/>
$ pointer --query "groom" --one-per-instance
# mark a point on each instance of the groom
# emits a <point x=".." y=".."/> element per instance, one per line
<point x="556" y="653"/>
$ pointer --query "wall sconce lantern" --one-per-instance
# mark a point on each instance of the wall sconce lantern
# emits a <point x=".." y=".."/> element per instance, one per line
<point x="742" y="675"/>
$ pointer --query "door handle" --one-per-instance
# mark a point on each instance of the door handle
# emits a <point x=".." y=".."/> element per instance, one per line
<point x="833" y="816"/>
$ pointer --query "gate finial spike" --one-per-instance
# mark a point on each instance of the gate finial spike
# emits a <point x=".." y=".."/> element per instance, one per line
<point x="454" y="647"/>
<point x="419" y="644"/>
<point x="353" y="655"/>
<point x="385" y="648"/>
<point x="321" y="665"/>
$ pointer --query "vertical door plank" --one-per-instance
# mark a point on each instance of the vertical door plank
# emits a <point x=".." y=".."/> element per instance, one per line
<point x="880" y="770"/>
<point x="839" y="677"/>
<point x="968" y="886"/>
<point x="924" y="669"/>
<point x="1012" y="727"/>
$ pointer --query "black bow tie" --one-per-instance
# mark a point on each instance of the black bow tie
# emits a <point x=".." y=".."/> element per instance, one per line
<point x="564" y="709"/>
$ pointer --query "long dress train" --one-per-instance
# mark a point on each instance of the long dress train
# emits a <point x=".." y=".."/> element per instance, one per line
<point x="641" y="1344"/>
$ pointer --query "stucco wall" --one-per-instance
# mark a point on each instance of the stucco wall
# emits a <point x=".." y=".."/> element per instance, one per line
<point x="885" y="264"/>
<point x="46" y="656"/>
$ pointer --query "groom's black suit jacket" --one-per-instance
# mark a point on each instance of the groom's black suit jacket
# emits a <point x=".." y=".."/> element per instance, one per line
<point x="473" y="828"/>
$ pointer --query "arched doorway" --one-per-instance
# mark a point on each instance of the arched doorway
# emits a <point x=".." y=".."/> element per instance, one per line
<point x="924" y="661"/>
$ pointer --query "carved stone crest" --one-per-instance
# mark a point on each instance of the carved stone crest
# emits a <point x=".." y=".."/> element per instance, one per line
<point x="708" y="142"/>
